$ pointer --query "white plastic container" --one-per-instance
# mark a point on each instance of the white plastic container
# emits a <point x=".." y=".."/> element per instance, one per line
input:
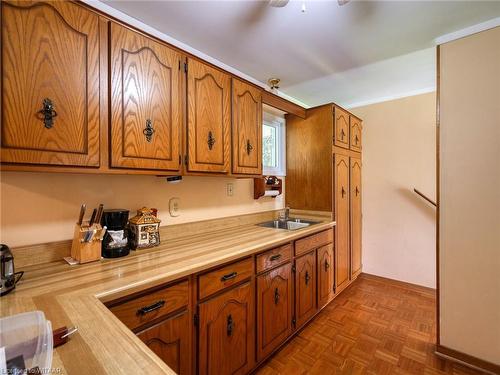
<point x="25" y="339"/>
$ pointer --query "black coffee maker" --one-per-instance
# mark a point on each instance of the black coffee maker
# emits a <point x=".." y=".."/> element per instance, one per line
<point x="9" y="277"/>
<point x="115" y="241"/>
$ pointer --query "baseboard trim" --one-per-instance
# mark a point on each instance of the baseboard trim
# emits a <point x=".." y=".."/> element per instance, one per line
<point x="399" y="283"/>
<point x="467" y="360"/>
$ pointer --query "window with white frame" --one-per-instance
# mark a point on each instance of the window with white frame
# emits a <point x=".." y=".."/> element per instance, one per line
<point x="273" y="145"/>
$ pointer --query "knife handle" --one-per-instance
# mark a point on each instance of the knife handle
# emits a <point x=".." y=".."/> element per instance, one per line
<point x="99" y="214"/>
<point x="102" y="233"/>
<point x="82" y="213"/>
<point x="92" y="218"/>
<point x="60" y="336"/>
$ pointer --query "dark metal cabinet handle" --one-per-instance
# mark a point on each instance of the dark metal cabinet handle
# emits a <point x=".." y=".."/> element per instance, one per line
<point x="147" y="309"/>
<point x="249" y="147"/>
<point x="48" y="113"/>
<point x="275" y="257"/>
<point x="343" y="192"/>
<point x="210" y="140"/>
<point x="356" y="139"/>
<point x="276" y="296"/>
<point x="230" y="325"/>
<point x="327" y="265"/>
<point x="357" y="191"/>
<point x="342" y="134"/>
<point x="148" y="130"/>
<point x="229" y="276"/>
<point x="307" y="278"/>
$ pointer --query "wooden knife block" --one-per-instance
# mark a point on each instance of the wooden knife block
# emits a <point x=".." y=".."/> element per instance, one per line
<point x="85" y="252"/>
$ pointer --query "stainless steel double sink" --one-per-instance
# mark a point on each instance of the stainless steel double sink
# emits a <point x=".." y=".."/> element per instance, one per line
<point x="288" y="224"/>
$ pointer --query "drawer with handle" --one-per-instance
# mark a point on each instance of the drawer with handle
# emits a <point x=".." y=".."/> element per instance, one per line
<point x="311" y="242"/>
<point x="273" y="257"/>
<point x="214" y="281"/>
<point x="147" y="307"/>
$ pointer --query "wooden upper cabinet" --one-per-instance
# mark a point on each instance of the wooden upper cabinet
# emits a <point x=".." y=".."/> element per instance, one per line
<point x="208" y="118"/>
<point x="226" y="333"/>
<point x="356" y="134"/>
<point x="246" y="128"/>
<point x="342" y="125"/>
<point x="145" y="102"/>
<point x="50" y="84"/>
<point x="170" y="340"/>
<point x="355" y="182"/>
<point x="274" y="309"/>
<point x="305" y="288"/>
<point x="325" y="274"/>
<point x="341" y="213"/>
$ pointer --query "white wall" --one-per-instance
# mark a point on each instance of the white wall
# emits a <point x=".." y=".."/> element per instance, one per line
<point x="399" y="149"/>
<point x="470" y="195"/>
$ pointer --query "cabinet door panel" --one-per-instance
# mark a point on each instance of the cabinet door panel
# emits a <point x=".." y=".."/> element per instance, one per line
<point x="169" y="340"/>
<point x="209" y="118"/>
<point x="341" y="176"/>
<point x="274" y="309"/>
<point x="325" y="274"/>
<point x="341" y="128"/>
<point x="305" y="288"/>
<point x="355" y="182"/>
<point x="246" y="128"/>
<point x="50" y="59"/>
<point x="146" y="102"/>
<point x="226" y="338"/>
<point x="356" y="134"/>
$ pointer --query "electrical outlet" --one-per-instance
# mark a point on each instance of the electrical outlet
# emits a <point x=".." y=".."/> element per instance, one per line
<point x="230" y="189"/>
<point x="174" y="207"/>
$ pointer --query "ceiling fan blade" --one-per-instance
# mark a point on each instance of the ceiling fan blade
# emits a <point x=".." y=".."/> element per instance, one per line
<point x="278" y="3"/>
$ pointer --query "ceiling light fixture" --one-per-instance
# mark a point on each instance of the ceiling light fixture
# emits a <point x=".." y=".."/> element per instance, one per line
<point x="303" y="9"/>
<point x="278" y="3"/>
<point x="274" y="83"/>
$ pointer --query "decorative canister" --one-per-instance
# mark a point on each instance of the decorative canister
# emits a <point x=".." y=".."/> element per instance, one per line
<point x="144" y="230"/>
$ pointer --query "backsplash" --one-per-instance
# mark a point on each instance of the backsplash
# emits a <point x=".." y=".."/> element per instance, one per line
<point x="43" y="207"/>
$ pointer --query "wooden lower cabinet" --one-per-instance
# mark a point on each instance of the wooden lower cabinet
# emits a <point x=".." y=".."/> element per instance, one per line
<point x="226" y="332"/>
<point x="239" y="324"/>
<point x="326" y="275"/>
<point x="305" y="288"/>
<point x="274" y="309"/>
<point x="170" y="340"/>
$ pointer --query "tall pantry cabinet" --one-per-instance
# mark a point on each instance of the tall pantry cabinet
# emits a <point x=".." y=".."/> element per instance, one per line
<point x="326" y="176"/>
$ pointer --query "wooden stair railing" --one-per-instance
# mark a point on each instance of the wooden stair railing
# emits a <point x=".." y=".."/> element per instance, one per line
<point x="425" y="197"/>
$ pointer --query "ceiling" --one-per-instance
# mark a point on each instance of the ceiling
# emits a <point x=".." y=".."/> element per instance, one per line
<point x="317" y="53"/>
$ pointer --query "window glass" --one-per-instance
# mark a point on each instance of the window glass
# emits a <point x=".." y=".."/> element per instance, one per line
<point x="273" y="145"/>
<point x="270" y="147"/>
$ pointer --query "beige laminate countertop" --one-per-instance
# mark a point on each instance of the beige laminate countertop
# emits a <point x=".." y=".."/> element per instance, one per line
<point x="72" y="295"/>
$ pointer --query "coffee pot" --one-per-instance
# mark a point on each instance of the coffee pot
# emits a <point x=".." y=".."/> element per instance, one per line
<point x="9" y="277"/>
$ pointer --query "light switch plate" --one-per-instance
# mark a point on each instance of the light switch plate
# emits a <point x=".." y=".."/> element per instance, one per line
<point x="174" y="207"/>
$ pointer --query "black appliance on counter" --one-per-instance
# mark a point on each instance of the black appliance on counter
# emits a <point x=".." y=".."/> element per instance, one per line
<point x="9" y="276"/>
<point x="115" y="241"/>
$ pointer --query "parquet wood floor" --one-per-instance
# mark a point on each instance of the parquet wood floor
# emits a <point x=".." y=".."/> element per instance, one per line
<point x="376" y="326"/>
